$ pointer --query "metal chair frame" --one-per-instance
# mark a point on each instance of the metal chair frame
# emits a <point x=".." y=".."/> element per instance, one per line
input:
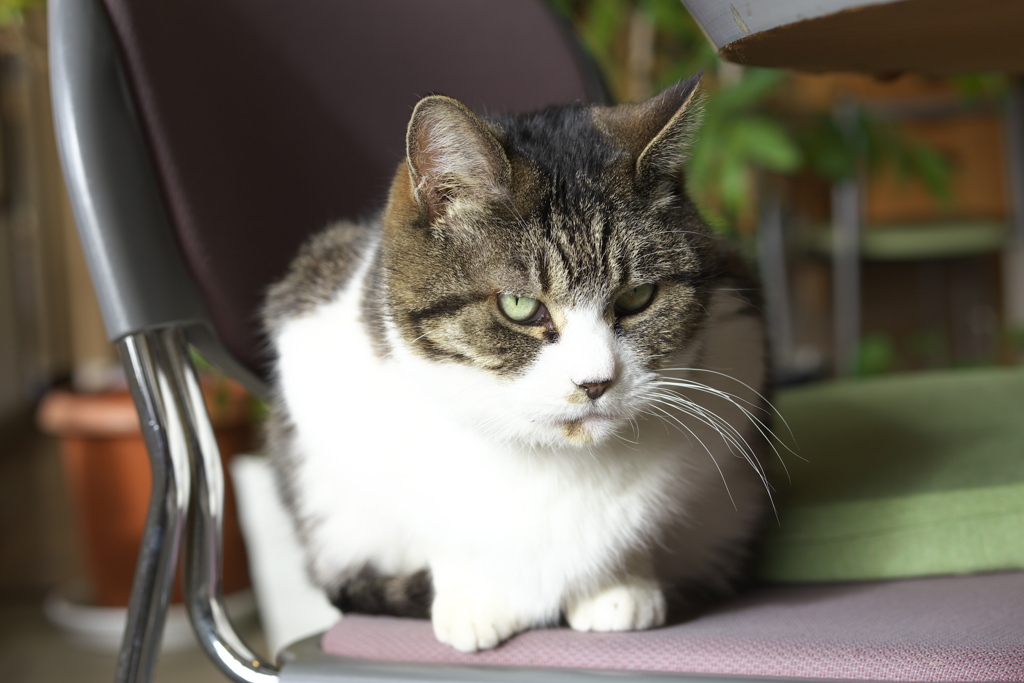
<point x="125" y="229"/>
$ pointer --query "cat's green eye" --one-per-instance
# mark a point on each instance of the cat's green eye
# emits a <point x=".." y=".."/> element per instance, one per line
<point x="520" y="309"/>
<point x="634" y="300"/>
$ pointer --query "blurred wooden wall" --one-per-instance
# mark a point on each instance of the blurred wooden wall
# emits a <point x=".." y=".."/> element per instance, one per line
<point x="50" y="327"/>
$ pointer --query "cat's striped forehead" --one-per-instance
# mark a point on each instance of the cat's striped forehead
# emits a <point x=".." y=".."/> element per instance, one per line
<point x="578" y="258"/>
<point x="581" y="227"/>
<point x="580" y="253"/>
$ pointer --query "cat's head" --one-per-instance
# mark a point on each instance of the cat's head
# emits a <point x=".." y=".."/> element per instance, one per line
<point x="550" y="262"/>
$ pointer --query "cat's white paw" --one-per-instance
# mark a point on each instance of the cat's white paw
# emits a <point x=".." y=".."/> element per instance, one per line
<point x="471" y="622"/>
<point x="623" y="607"/>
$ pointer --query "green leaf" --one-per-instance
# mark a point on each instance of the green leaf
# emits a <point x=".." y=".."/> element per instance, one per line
<point x="716" y="220"/>
<point x="732" y="185"/>
<point x="985" y="86"/>
<point x="876" y="355"/>
<point x="666" y="16"/>
<point x="700" y="167"/>
<point x="766" y="143"/>
<point x="12" y="10"/>
<point x="934" y="170"/>
<point x="603" y="22"/>
<point x="828" y="153"/>
<point x="755" y="86"/>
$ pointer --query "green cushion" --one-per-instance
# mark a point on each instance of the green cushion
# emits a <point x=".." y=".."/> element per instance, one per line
<point x="901" y="476"/>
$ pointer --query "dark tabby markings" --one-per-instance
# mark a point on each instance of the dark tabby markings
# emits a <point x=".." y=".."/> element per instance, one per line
<point x="604" y="246"/>
<point x="435" y="352"/>
<point x="625" y="262"/>
<point x="369" y="592"/>
<point x="567" y="263"/>
<point x="441" y="309"/>
<point x="446" y="308"/>
<point x="279" y="436"/>
<point x="543" y="272"/>
<point x="373" y="306"/>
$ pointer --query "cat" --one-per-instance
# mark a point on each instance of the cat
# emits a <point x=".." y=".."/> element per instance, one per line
<point x="533" y="387"/>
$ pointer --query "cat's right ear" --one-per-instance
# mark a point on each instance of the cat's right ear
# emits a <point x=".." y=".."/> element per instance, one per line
<point x="657" y="133"/>
<point x="452" y="156"/>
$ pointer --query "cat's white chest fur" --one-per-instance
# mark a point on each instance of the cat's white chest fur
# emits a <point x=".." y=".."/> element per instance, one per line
<point x="408" y="464"/>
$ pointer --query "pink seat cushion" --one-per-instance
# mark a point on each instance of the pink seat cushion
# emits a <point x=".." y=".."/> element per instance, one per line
<point x="936" y="629"/>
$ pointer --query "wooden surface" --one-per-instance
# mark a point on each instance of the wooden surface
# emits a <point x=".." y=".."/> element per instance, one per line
<point x="975" y="146"/>
<point x="929" y="36"/>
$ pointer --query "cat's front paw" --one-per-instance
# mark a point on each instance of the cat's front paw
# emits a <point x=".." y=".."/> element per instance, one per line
<point x="471" y="622"/>
<point x="629" y="606"/>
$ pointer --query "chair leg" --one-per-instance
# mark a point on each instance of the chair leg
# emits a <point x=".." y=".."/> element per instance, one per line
<point x="204" y="550"/>
<point x="186" y="469"/>
<point x="148" y="379"/>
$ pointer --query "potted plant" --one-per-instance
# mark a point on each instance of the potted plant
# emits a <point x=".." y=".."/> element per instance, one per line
<point x="107" y="475"/>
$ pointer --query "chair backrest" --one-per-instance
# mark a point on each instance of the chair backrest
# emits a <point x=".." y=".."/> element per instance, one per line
<point x="265" y="120"/>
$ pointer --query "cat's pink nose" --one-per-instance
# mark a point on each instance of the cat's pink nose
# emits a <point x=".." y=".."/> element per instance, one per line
<point x="594" y="389"/>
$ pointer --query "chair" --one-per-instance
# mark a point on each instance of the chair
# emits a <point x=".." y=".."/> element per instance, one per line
<point x="202" y="140"/>
<point x="161" y="105"/>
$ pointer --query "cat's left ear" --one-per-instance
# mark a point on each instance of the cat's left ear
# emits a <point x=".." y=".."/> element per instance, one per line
<point x="452" y="156"/>
<point x="657" y="132"/>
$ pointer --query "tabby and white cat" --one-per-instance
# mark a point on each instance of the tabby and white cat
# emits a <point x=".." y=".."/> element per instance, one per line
<point x="531" y="388"/>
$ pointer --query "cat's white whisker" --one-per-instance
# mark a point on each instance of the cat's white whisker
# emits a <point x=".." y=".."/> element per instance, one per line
<point x="681" y="424"/>
<point x="636" y="429"/>
<point x="769" y="436"/>
<point x="741" y="383"/>
<point x="729" y="432"/>
<point x="734" y="440"/>
<point x="766" y="431"/>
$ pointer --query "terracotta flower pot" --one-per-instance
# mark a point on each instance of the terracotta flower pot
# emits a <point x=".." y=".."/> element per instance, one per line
<point x="108" y="476"/>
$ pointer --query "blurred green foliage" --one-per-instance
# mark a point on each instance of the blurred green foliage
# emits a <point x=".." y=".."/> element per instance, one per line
<point x="984" y="86"/>
<point x="12" y="10"/>
<point x="931" y="348"/>
<point x="876" y="355"/>
<point x="835" y="154"/>
<point x="880" y="353"/>
<point x="219" y="400"/>
<point x="680" y="46"/>
<point x="739" y="136"/>
<point x="1015" y="343"/>
<point x="748" y="129"/>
